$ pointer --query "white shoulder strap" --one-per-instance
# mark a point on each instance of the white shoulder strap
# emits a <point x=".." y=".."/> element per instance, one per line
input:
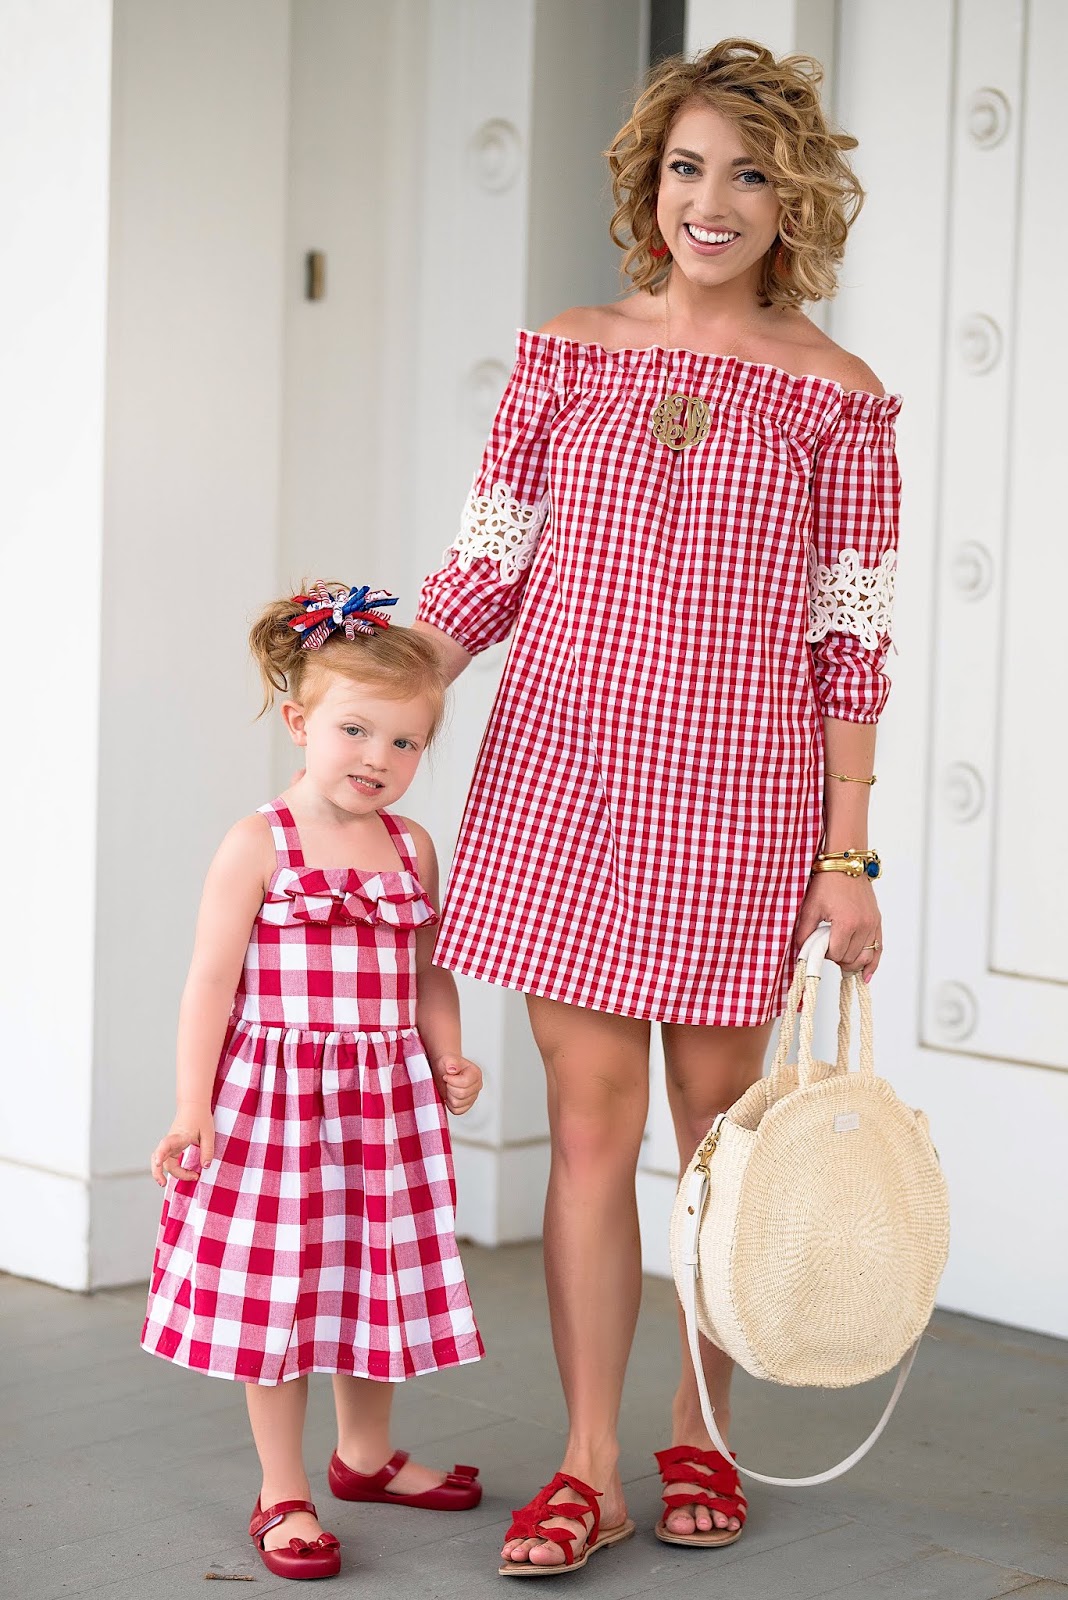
<point x="696" y="1196"/>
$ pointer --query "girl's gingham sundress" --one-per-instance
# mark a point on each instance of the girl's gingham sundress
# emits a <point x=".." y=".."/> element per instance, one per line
<point x="321" y="1238"/>
<point x="647" y="801"/>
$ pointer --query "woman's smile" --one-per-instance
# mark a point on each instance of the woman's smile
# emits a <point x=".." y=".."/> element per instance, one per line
<point x="709" y="241"/>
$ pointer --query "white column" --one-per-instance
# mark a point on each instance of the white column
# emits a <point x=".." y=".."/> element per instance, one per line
<point x="55" y="129"/>
<point x="145" y="211"/>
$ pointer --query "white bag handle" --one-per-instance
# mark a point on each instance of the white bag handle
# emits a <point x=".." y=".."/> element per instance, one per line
<point x="803" y="992"/>
<point x="812" y="953"/>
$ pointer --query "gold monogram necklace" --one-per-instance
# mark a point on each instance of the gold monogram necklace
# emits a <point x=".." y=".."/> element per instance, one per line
<point x="682" y="419"/>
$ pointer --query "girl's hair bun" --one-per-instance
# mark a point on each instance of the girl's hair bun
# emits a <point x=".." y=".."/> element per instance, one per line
<point x="329" y="627"/>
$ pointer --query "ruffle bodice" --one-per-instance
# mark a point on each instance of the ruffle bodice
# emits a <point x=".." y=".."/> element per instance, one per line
<point x="334" y="948"/>
<point x="338" y="896"/>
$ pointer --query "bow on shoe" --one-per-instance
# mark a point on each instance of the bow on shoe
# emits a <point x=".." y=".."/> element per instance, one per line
<point x="325" y="1541"/>
<point x="461" y="1476"/>
<point x="326" y="610"/>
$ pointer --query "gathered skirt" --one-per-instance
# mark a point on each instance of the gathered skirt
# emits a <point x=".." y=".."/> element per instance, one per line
<point x="322" y="1236"/>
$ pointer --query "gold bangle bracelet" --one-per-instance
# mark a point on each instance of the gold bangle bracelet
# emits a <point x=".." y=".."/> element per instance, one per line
<point x="857" y="863"/>
<point x="842" y="778"/>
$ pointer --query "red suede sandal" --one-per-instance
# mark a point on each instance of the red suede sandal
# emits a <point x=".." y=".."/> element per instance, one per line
<point x="529" y="1523"/>
<point x="719" y="1488"/>
<point x="298" y="1558"/>
<point x="459" y="1492"/>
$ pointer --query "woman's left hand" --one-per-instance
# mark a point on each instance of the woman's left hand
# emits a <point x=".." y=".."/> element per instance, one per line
<point x="849" y="905"/>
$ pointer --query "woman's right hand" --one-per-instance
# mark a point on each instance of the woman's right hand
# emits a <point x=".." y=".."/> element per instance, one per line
<point x="193" y="1125"/>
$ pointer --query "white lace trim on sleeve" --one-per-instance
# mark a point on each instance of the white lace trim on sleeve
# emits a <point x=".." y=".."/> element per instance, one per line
<point x="495" y="527"/>
<point x="849" y="598"/>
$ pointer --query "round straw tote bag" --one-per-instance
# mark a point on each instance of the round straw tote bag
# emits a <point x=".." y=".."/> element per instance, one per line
<point x="812" y="1225"/>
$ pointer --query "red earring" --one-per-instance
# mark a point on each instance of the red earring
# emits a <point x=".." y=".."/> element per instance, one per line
<point x="658" y="250"/>
<point x="782" y="260"/>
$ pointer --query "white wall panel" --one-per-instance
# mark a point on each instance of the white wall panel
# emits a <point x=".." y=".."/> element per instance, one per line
<point x="1029" y="935"/>
<point x="588" y="61"/>
<point x="918" y="268"/>
<point x="191" y="537"/>
<point x="782" y="25"/>
<point x="354" y="192"/>
<point x="997" y="956"/>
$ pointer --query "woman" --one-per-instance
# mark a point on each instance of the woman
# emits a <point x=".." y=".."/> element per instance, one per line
<point x="687" y="509"/>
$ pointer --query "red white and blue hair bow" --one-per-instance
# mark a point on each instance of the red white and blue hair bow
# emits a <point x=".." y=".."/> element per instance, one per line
<point x="353" y="610"/>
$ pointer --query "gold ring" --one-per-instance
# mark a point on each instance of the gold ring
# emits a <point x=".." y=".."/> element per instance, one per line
<point x="871" y="947"/>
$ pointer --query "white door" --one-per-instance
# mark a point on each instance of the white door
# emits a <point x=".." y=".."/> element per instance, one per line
<point x="996" y="973"/>
<point x="953" y="292"/>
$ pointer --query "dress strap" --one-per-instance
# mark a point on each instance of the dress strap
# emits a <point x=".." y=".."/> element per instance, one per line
<point x="284" y="833"/>
<point x="403" y="841"/>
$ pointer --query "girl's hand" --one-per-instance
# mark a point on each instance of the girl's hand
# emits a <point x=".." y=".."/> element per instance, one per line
<point x="849" y="905"/>
<point x="459" y="1081"/>
<point x="191" y="1126"/>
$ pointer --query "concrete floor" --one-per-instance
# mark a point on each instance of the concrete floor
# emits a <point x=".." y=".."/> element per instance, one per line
<point x="123" y="1477"/>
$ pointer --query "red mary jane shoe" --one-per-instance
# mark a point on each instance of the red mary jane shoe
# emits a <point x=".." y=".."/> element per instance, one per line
<point x="298" y="1558"/>
<point x="460" y="1492"/>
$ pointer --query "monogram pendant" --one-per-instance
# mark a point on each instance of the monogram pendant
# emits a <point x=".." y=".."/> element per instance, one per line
<point x="680" y="420"/>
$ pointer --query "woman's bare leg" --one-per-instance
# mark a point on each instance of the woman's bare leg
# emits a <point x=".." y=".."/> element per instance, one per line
<point x="597" y="1068"/>
<point x="363" y="1408"/>
<point x="276" y="1412"/>
<point x="707" y="1069"/>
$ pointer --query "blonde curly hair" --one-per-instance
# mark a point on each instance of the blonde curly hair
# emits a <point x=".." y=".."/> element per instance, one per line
<point x="776" y="106"/>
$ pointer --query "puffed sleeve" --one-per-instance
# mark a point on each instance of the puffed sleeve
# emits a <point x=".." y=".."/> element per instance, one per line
<point x="474" y="596"/>
<point x="853" y="556"/>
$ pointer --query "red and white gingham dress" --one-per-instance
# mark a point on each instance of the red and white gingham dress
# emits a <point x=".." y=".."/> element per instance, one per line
<point x="647" y="801"/>
<point x="321" y="1238"/>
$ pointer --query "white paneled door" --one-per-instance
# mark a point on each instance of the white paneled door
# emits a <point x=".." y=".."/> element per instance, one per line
<point x="996" y="960"/>
<point x="953" y="292"/>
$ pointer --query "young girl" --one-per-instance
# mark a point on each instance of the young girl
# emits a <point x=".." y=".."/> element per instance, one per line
<point x="310" y="1225"/>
